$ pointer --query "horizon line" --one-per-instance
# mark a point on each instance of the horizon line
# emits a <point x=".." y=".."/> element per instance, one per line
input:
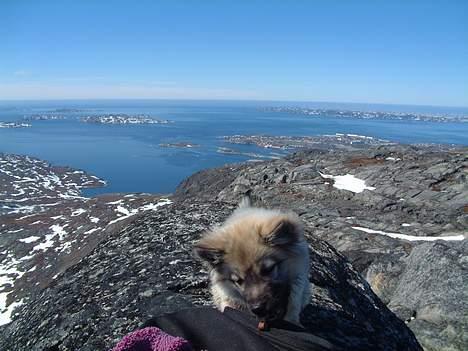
<point x="228" y="100"/>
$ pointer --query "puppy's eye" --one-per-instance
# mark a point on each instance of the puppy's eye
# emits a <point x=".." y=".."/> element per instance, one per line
<point x="237" y="280"/>
<point x="270" y="269"/>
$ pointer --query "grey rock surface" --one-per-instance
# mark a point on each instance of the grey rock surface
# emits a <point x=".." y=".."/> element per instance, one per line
<point x="147" y="269"/>
<point x="419" y="191"/>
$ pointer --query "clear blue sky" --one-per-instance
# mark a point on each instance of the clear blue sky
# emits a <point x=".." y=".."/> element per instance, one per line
<point x="389" y="51"/>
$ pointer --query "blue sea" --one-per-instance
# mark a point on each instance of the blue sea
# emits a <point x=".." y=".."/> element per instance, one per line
<point x="130" y="158"/>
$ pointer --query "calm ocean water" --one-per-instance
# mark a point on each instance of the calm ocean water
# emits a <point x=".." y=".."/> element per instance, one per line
<point x="131" y="159"/>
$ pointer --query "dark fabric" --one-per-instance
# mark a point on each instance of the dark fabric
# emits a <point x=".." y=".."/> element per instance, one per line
<point x="208" y="329"/>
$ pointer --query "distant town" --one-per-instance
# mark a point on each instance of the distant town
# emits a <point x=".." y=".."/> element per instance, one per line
<point x="336" y="113"/>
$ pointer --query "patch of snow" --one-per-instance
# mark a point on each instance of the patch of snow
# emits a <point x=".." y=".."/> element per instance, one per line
<point x="128" y="214"/>
<point x="120" y="219"/>
<point x="411" y="237"/>
<point x="24" y="217"/>
<point x="19" y="193"/>
<point x="78" y="212"/>
<point x="25" y="258"/>
<point x="94" y="219"/>
<point x="29" y="239"/>
<point x="348" y="182"/>
<point x="6" y="312"/>
<point x="405" y="225"/>
<point x="91" y="230"/>
<point x="122" y="210"/>
<point x="162" y="202"/>
<point x="67" y="196"/>
<point x="115" y="202"/>
<point x="393" y="159"/>
<point x="26" y="180"/>
<point x="8" y="274"/>
<point x="46" y="184"/>
<point x="65" y="247"/>
<point x="58" y="230"/>
<point x="48" y="243"/>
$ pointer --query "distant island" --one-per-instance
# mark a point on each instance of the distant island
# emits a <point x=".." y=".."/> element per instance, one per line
<point x="337" y="113"/>
<point x="110" y="118"/>
<point x="123" y="119"/>
<point x="14" y="125"/>
<point x="44" y="117"/>
<point x="344" y="141"/>
<point x="180" y="145"/>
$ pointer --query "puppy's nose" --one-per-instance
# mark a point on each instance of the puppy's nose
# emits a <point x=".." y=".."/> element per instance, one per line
<point x="258" y="309"/>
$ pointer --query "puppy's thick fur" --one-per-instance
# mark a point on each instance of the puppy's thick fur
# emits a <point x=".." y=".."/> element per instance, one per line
<point x="259" y="262"/>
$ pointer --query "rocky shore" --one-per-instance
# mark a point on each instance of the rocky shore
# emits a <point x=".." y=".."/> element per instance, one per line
<point x="386" y="226"/>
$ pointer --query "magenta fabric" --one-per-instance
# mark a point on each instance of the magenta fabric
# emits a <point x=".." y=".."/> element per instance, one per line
<point x="152" y="339"/>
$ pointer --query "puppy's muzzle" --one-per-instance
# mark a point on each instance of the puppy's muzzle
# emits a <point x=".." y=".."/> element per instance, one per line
<point x="259" y="309"/>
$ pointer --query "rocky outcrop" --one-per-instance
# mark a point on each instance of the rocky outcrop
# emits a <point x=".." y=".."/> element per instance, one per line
<point x="400" y="199"/>
<point x="419" y="192"/>
<point x="147" y="269"/>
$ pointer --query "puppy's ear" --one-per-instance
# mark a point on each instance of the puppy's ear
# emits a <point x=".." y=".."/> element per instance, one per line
<point x="207" y="254"/>
<point x="283" y="232"/>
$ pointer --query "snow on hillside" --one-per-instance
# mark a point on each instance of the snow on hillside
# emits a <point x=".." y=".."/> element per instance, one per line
<point x="47" y="226"/>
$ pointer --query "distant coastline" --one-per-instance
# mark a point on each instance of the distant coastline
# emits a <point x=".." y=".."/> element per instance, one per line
<point x="380" y="115"/>
<point x="149" y="156"/>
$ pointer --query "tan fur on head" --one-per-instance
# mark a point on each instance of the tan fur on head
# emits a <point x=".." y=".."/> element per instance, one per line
<point x="259" y="261"/>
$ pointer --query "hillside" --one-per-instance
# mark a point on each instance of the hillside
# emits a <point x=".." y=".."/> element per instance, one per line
<point x="401" y="224"/>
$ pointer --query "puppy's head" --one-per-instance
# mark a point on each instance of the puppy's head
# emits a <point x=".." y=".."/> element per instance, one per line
<point x="254" y="252"/>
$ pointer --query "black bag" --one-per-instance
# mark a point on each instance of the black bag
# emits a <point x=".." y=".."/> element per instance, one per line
<point x="208" y="329"/>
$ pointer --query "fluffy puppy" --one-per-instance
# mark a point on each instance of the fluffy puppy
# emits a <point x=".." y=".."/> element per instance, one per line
<point x="259" y="262"/>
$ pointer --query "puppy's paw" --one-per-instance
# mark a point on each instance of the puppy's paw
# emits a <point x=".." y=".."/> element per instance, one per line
<point x="234" y="304"/>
